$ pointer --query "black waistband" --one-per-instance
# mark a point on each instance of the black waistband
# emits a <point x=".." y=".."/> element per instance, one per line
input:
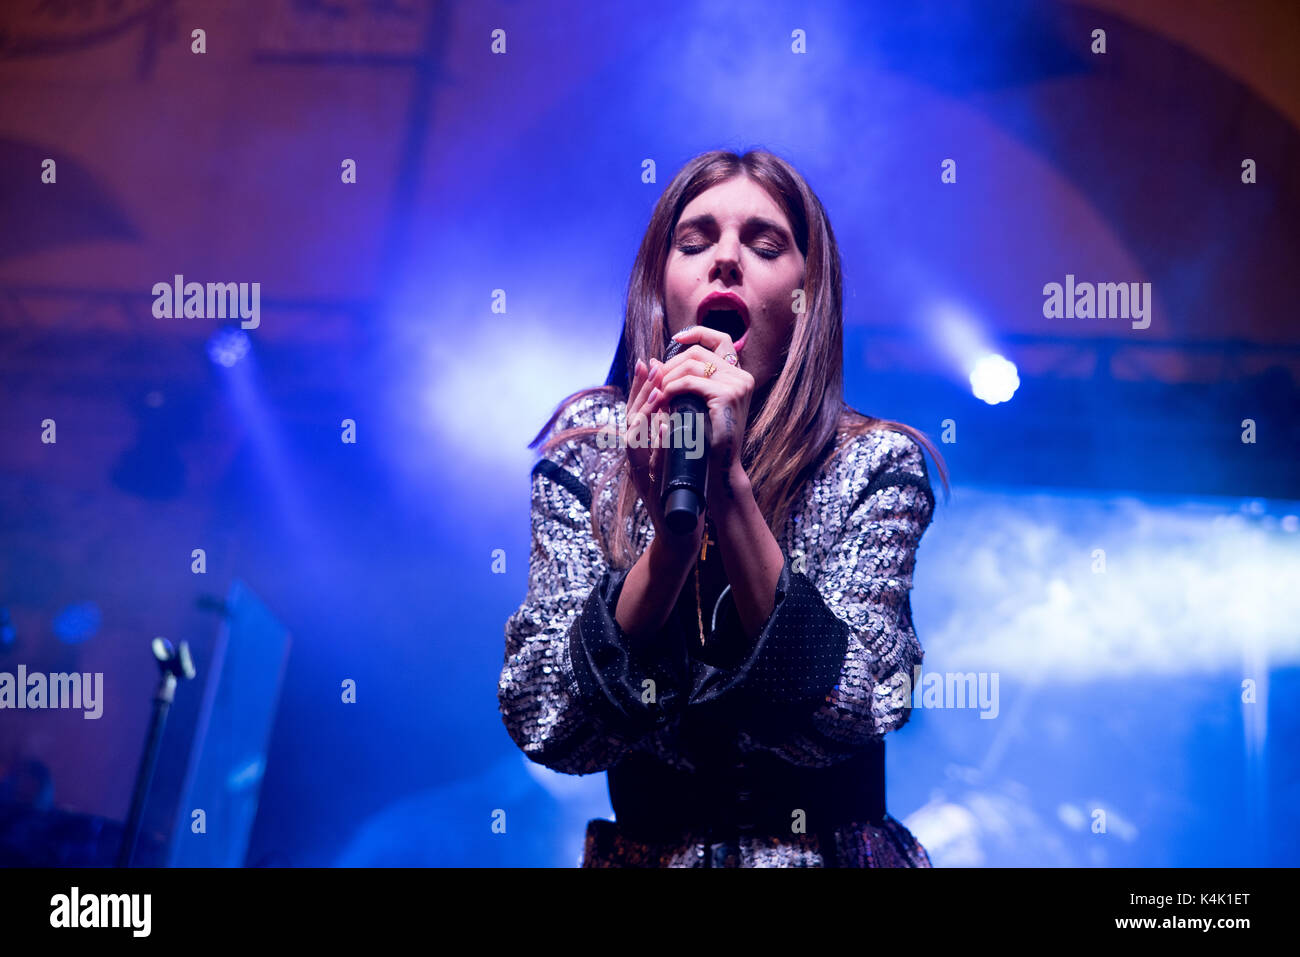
<point x="750" y="793"/>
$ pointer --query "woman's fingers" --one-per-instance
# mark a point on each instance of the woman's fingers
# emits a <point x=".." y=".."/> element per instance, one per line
<point x="637" y="409"/>
<point x="694" y="360"/>
<point x="692" y="374"/>
<point x="689" y="382"/>
<point x="646" y="386"/>
<point x="639" y="376"/>
<point x="689" y="354"/>
<point x="712" y="339"/>
<point x="636" y="394"/>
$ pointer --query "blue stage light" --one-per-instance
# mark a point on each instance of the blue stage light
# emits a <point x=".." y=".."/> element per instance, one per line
<point x="227" y="346"/>
<point x="75" y="623"/>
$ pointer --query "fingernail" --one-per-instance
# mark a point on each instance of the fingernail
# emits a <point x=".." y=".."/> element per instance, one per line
<point x="654" y="395"/>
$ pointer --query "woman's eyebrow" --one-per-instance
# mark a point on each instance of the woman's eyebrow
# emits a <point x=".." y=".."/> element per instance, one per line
<point x="707" y="219"/>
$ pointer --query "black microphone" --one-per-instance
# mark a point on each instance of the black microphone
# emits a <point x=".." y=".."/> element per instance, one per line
<point x="686" y="478"/>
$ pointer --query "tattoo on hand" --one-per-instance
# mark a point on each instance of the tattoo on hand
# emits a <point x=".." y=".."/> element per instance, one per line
<point x="728" y="443"/>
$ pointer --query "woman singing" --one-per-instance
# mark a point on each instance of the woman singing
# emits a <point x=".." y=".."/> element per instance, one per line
<point x="735" y="681"/>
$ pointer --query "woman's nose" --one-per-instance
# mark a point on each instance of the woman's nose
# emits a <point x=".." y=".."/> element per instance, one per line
<point x="727" y="260"/>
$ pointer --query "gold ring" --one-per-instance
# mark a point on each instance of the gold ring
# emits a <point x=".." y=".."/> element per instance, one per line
<point x="731" y="357"/>
<point x="709" y="370"/>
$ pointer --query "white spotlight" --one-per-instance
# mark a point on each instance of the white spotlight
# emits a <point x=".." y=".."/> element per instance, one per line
<point x="994" y="379"/>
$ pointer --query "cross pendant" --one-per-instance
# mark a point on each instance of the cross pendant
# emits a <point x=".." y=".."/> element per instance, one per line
<point x="704" y="545"/>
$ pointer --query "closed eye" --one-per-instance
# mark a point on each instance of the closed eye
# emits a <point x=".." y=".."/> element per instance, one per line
<point x="763" y="251"/>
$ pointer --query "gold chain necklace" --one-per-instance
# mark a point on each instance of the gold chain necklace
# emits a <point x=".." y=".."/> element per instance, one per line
<point x="704" y="554"/>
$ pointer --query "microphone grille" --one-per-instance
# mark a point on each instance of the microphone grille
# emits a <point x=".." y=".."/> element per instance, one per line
<point x="674" y="347"/>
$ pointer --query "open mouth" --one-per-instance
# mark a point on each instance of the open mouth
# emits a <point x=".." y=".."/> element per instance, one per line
<point x="725" y="320"/>
<point x="725" y="314"/>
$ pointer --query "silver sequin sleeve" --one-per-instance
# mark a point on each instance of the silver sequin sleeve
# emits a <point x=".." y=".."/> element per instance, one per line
<point x="537" y="692"/>
<point x="856" y="540"/>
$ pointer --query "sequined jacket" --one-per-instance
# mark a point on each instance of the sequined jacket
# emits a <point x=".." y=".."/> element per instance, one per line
<point x="809" y="698"/>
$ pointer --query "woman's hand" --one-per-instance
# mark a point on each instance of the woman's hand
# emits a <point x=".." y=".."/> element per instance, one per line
<point x="649" y="459"/>
<point x="727" y="393"/>
<point x="655" y="580"/>
<point x="751" y="556"/>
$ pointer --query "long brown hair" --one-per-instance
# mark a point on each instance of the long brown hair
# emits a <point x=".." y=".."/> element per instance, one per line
<point x="803" y="416"/>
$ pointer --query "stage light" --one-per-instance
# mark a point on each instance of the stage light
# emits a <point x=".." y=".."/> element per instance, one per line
<point x="994" y="379"/>
<point x="227" y="346"/>
<point x="8" y="634"/>
<point x="75" y="623"/>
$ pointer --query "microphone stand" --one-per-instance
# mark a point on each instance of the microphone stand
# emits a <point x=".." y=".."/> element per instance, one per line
<point x="173" y="664"/>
